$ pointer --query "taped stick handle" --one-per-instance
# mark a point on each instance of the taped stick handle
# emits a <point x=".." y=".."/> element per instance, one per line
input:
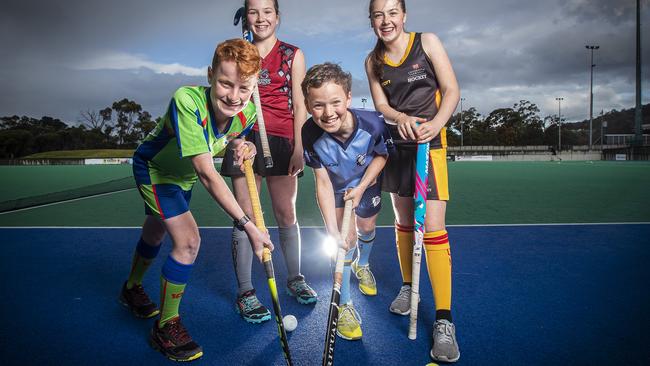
<point x="261" y="125"/>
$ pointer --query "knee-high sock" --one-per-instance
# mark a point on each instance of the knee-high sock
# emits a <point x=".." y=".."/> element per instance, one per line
<point x="290" y="243"/>
<point x="172" y="286"/>
<point x="142" y="258"/>
<point x="242" y="259"/>
<point x="438" y="254"/>
<point x="404" y="241"/>
<point x="366" y="241"/>
<point x="345" y="284"/>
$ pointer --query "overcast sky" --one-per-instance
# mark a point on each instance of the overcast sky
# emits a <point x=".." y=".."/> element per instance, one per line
<point x="62" y="57"/>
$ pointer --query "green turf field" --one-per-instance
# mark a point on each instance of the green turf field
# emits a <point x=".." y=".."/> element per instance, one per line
<point x="481" y="193"/>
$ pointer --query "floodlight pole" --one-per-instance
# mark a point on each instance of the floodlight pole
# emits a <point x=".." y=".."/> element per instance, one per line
<point x="638" y="137"/>
<point x="559" y="123"/>
<point x="591" y="92"/>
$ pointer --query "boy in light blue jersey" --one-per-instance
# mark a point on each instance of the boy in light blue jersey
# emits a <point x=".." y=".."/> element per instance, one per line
<point x="345" y="148"/>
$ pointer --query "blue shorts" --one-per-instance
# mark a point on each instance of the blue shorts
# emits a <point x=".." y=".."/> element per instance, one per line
<point x="164" y="200"/>
<point x="369" y="205"/>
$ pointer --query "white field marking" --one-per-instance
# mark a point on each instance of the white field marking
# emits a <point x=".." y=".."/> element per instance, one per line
<point x="66" y="201"/>
<point x="323" y="228"/>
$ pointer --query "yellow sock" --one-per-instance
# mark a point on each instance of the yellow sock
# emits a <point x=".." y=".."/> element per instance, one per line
<point x="404" y="236"/>
<point x="436" y="245"/>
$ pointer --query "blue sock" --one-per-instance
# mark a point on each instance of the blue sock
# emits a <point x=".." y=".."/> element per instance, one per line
<point x="366" y="240"/>
<point x="345" y="284"/>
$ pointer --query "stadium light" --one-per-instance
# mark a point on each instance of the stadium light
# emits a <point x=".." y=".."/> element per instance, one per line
<point x="363" y="101"/>
<point x="329" y="246"/>
<point x="559" y="122"/>
<point x="591" y="92"/>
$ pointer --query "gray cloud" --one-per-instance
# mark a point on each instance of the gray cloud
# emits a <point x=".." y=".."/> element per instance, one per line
<point x="502" y="51"/>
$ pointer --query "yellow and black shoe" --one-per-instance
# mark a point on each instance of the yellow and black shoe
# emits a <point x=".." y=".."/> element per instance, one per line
<point x="136" y="300"/>
<point x="173" y="341"/>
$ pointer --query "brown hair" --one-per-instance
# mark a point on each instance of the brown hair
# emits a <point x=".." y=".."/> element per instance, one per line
<point x="376" y="56"/>
<point x="320" y="74"/>
<point x="244" y="54"/>
<point x="275" y="5"/>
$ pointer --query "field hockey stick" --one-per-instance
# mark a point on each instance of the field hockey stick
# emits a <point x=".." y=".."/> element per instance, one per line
<point x="419" y="213"/>
<point x="333" y="313"/>
<point x="268" y="263"/>
<point x="240" y="15"/>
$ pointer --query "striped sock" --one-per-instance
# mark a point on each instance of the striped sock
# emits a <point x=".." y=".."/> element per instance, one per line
<point x="142" y="259"/>
<point x="172" y="281"/>
<point x="404" y="242"/>
<point x="438" y="254"/>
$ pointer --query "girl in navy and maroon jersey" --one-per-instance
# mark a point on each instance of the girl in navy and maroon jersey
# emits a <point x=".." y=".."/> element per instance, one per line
<point x="414" y="86"/>
<point x="283" y="69"/>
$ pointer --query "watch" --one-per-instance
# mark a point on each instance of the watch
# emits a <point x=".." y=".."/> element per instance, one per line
<point x="239" y="224"/>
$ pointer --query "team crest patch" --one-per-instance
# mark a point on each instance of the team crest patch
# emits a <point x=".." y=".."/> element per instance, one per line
<point x="361" y="160"/>
<point x="265" y="78"/>
<point x="376" y="200"/>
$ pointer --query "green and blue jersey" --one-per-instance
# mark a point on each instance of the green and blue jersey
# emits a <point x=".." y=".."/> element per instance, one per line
<point x="187" y="129"/>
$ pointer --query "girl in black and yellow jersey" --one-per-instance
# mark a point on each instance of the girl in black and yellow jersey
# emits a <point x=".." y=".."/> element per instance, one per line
<point x="414" y="86"/>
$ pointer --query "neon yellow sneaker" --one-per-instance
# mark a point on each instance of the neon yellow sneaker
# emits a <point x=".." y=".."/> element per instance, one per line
<point x="367" y="283"/>
<point x="349" y="323"/>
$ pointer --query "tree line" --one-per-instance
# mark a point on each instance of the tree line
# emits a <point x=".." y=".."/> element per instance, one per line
<point x="124" y="124"/>
<point x="121" y="126"/>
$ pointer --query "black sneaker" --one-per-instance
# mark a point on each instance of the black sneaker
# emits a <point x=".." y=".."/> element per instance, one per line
<point x="251" y="309"/>
<point x="138" y="302"/>
<point x="173" y="341"/>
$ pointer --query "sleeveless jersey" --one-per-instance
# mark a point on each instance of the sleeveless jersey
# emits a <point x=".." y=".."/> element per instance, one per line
<point x="275" y="90"/>
<point x="187" y="129"/>
<point x="411" y="86"/>
<point x="345" y="162"/>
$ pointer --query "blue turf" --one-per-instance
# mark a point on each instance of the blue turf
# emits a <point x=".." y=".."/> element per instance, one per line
<point x="529" y="295"/>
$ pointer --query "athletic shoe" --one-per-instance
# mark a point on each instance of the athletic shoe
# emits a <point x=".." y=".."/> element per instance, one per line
<point x="349" y="323"/>
<point x="445" y="347"/>
<point x="299" y="289"/>
<point x="402" y="303"/>
<point x="367" y="283"/>
<point x="251" y="309"/>
<point x="173" y="341"/>
<point x="136" y="300"/>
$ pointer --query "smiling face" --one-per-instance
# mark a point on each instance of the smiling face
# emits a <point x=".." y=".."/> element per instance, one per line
<point x="262" y="17"/>
<point x="328" y="105"/>
<point x="230" y="92"/>
<point x="387" y="18"/>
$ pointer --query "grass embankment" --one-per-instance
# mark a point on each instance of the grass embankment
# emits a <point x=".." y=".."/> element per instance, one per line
<point x="82" y="154"/>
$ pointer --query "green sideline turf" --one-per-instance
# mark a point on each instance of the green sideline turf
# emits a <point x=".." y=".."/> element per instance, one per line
<point x="481" y="193"/>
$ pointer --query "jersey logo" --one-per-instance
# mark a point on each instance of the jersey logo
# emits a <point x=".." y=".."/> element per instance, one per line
<point x="416" y="74"/>
<point x="361" y="159"/>
<point x="265" y="78"/>
<point x="415" y="66"/>
<point x="385" y="82"/>
<point x="376" y="200"/>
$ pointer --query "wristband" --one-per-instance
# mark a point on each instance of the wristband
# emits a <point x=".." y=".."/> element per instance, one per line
<point x="239" y="224"/>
